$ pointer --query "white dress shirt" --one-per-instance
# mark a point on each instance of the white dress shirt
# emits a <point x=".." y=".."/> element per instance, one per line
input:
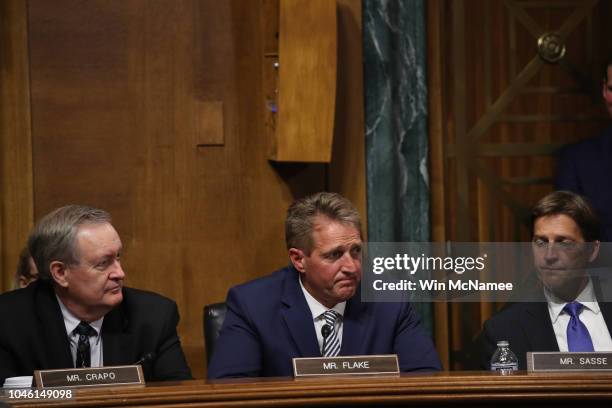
<point x="590" y="315"/>
<point x="95" y="342"/>
<point x="317" y="310"/>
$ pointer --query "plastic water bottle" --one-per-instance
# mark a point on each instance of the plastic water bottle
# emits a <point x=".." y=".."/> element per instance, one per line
<point x="504" y="361"/>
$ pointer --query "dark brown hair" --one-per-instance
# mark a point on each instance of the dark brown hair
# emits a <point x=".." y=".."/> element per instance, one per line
<point x="26" y="271"/>
<point x="574" y="206"/>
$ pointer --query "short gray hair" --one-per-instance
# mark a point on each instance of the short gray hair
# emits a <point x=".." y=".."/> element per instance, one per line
<point x="53" y="238"/>
<point x="302" y="213"/>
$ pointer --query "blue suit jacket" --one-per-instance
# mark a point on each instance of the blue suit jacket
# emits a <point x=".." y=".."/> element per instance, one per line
<point x="268" y="322"/>
<point x="586" y="168"/>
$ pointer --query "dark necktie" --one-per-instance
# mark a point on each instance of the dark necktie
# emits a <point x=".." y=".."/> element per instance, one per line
<point x="331" y="343"/>
<point x="578" y="337"/>
<point x="83" y="352"/>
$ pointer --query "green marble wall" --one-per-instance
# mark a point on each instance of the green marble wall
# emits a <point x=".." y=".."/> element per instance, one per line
<point x="395" y="85"/>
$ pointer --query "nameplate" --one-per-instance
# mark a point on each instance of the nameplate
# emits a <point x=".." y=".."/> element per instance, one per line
<point x="89" y="377"/>
<point x="564" y="361"/>
<point x="346" y="365"/>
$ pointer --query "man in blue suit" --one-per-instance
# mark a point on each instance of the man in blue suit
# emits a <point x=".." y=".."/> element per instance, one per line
<point x="585" y="167"/>
<point x="313" y="307"/>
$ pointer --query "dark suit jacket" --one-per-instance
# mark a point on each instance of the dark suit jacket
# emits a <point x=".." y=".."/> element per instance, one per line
<point x="33" y="335"/>
<point x="268" y="322"/>
<point x="527" y="326"/>
<point x="586" y="168"/>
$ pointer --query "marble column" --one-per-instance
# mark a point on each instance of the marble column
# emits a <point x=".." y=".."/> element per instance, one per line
<point x="395" y="87"/>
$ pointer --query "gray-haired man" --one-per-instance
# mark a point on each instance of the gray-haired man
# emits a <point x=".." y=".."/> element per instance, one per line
<point x="78" y="314"/>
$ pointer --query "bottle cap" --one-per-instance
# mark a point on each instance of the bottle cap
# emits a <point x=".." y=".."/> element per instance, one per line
<point x="503" y="343"/>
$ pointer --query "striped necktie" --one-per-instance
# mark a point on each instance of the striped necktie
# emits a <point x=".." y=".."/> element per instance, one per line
<point x="331" y="343"/>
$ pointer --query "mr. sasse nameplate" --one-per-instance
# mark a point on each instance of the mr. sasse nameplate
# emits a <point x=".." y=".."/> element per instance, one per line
<point x="90" y="377"/>
<point x="346" y="365"/>
<point x="572" y="361"/>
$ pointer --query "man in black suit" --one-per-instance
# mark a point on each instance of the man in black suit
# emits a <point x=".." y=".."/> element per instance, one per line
<point x="565" y="241"/>
<point x="78" y="314"/>
<point x="585" y="167"/>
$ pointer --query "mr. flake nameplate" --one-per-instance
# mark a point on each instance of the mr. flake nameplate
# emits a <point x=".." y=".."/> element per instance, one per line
<point x="346" y="365"/>
<point x="89" y="377"/>
<point x="563" y="361"/>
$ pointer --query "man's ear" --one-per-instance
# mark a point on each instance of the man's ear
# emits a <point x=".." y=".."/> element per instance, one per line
<point x="297" y="257"/>
<point x="22" y="281"/>
<point x="594" y="251"/>
<point x="58" y="273"/>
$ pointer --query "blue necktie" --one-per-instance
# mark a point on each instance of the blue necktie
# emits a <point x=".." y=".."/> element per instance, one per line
<point x="578" y="337"/>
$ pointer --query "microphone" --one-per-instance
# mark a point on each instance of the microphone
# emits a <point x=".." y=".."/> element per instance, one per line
<point x="326" y="330"/>
<point x="146" y="358"/>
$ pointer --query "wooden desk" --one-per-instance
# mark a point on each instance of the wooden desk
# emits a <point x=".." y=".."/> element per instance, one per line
<point x="449" y="388"/>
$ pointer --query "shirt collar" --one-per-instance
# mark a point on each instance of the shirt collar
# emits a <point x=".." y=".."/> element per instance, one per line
<point x="586" y="298"/>
<point x="316" y="308"/>
<point x="71" y="321"/>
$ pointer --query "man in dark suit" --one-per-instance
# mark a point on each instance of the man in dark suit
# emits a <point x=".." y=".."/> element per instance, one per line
<point x="585" y="167"/>
<point x="313" y="307"/>
<point x="569" y="317"/>
<point x="78" y="313"/>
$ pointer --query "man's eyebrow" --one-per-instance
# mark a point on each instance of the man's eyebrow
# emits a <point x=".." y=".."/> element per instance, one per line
<point x="104" y="257"/>
<point x="110" y="254"/>
<point x="554" y="238"/>
<point x="334" y="249"/>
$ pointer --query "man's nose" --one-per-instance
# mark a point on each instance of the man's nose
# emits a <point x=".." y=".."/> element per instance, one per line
<point x="551" y="254"/>
<point x="117" y="272"/>
<point x="350" y="263"/>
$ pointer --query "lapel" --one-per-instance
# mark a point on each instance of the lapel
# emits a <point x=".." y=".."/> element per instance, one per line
<point x="606" y="311"/>
<point x="297" y="315"/>
<point x="538" y="328"/>
<point x="353" y="326"/>
<point x="602" y="285"/>
<point x="117" y="342"/>
<point x="57" y="352"/>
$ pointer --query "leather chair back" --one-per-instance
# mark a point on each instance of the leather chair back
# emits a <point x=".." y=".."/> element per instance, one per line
<point x="214" y="315"/>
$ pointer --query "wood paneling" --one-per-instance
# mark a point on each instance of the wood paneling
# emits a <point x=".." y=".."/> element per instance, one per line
<point x="307" y="81"/>
<point x="435" y="61"/>
<point x="16" y="215"/>
<point x="348" y="154"/>
<point x="155" y="111"/>
<point x="210" y="129"/>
